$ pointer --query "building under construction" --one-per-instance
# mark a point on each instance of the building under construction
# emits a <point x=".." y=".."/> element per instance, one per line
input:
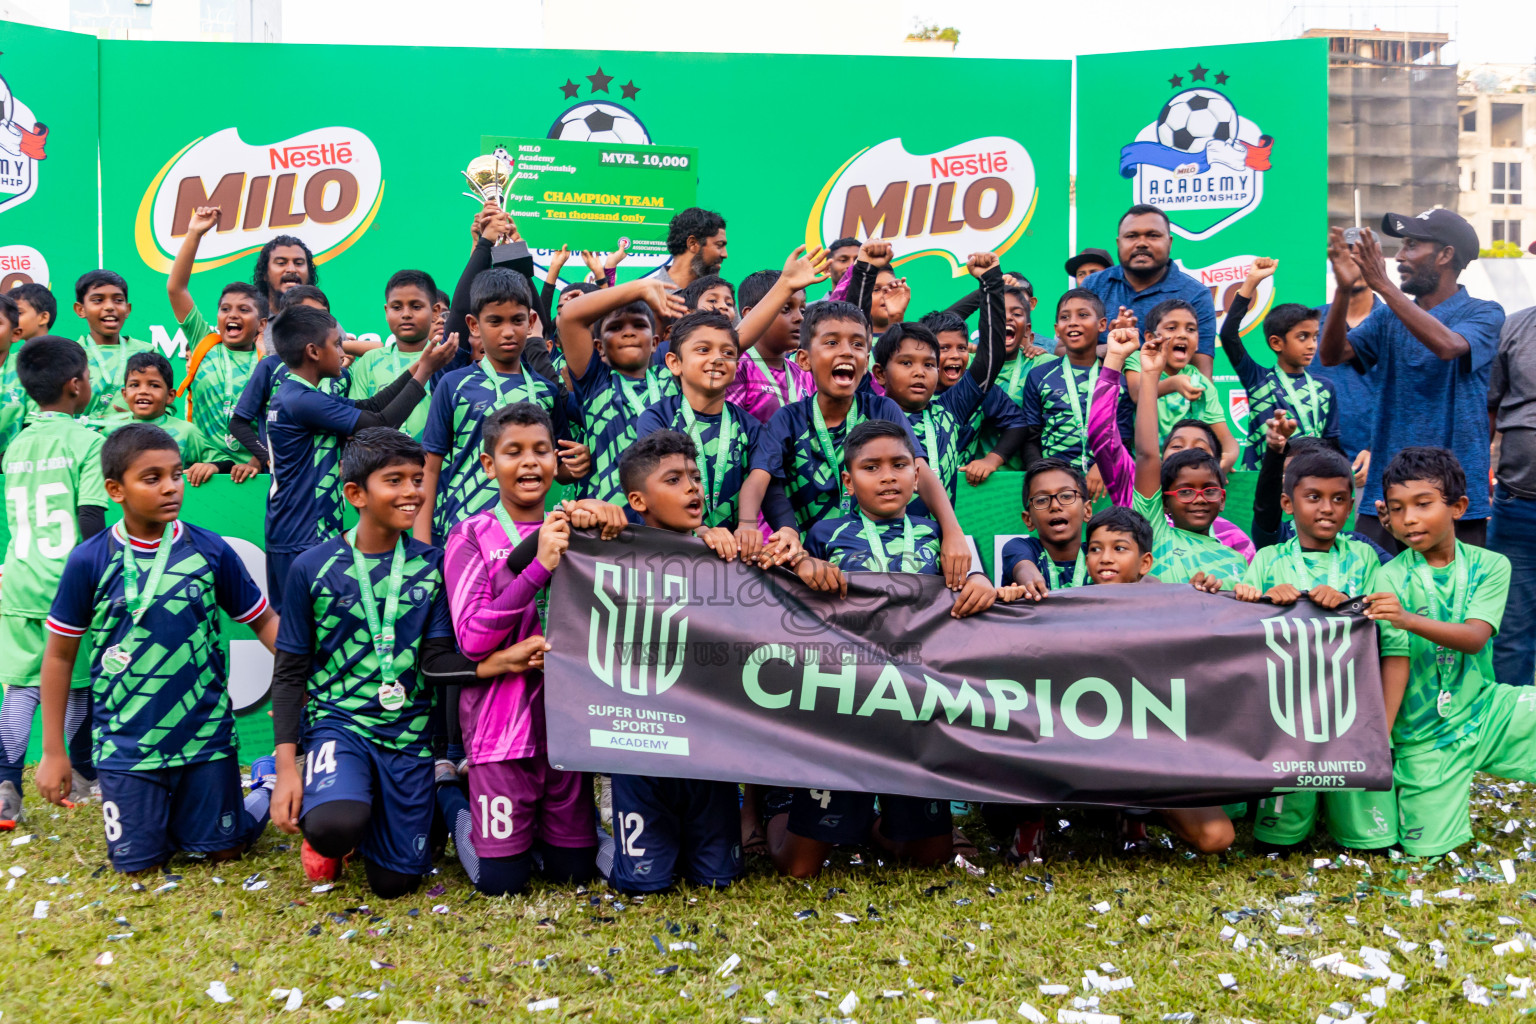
<point x="1392" y="127"/>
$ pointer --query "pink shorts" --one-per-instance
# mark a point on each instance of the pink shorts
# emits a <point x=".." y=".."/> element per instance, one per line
<point x="517" y="802"/>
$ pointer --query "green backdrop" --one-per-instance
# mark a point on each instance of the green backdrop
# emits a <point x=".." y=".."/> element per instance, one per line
<point x="1272" y="95"/>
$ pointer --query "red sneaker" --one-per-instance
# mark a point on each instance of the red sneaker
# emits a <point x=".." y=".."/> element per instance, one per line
<point x="318" y="868"/>
<point x="1028" y="846"/>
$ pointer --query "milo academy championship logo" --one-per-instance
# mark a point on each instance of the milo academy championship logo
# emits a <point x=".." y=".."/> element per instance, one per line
<point x="23" y="141"/>
<point x="1311" y="676"/>
<point x="638" y="637"/>
<point x="1199" y="160"/>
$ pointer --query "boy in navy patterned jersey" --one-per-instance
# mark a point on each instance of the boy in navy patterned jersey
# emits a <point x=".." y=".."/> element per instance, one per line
<point x="880" y="471"/>
<point x="149" y="591"/>
<point x="352" y="677"/>
<point x="906" y="363"/>
<point x="616" y="381"/>
<point x="801" y="448"/>
<point x="500" y="303"/>
<point x="306" y="427"/>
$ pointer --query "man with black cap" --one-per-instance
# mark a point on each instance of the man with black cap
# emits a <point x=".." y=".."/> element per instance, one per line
<point x="1087" y="263"/>
<point x="1434" y="344"/>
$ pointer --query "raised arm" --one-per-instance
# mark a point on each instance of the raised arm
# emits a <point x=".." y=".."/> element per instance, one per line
<point x="176" y="286"/>
<point x="992" y="351"/>
<point x="575" y="323"/>
<point x="873" y="255"/>
<point x="1115" y="465"/>
<point x="801" y="270"/>
<point x="1149" y="456"/>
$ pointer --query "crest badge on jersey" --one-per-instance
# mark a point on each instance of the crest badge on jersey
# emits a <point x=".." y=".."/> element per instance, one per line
<point x="1198" y="160"/>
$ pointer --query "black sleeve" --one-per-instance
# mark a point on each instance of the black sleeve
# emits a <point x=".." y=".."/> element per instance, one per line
<point x="992" y="351"/>
<point x="242" y="431"/>
<point x="391" y="406"/>
<point x="1265" y="528"/>
<point x="776" y="507"/>
<point x="967" y="304"/>
<point x="1231" y="330"/>
<point x="536" y="358"/>
<point x="1010" y="442"/>
<point x="861" y="288"/>
<point x="225" y="466"/>
<point x="442" y="664"/>
<point x="91" y="519"/>
<point x="479" y="259"/>
<point x="523" y="555"/>
<point x="1030" y="446"/>
<point x="290" y="677"/>
<point x="548" y="300"/>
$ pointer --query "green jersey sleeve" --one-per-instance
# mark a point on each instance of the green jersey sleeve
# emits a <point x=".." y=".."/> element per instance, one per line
<point x="92" y="487"/>
<point x="194" y="328"/>
<point x="1490" y="589"/>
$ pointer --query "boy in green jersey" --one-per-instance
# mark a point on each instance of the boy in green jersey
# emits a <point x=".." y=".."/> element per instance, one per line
<point x="1180" y="496"/>
<point x="101" y="300"/>
<point x="147" y="390"/>
<point x="409" y="300"/>
<point x="1183" y="391"/>
<point x="54" y="497"/>
<point x="1443" y="601"/>
<point x="1327" y="567"/>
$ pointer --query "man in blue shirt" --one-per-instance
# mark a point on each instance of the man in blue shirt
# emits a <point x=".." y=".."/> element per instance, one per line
<point x="1146" y="276"/>
<point x="1433" y="344"/>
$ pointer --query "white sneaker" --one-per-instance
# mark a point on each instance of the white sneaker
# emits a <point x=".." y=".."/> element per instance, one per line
<point x="10" y="805"/>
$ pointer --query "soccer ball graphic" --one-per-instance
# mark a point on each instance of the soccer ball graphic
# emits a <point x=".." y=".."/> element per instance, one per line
<point x="1195" y="117"/>
<point x="600" y="122"/>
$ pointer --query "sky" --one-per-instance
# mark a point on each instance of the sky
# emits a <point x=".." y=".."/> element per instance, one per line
<point x="1485" y="30"/>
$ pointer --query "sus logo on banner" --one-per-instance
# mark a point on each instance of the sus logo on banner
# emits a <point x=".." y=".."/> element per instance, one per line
<point x="325" y="184"/>
<point x="22" y="148"/>
<point x="973" y="196"/>
<point x="1310" y="668"/>
<point x="636" y="642"/>
<point x="1199" y="160"/>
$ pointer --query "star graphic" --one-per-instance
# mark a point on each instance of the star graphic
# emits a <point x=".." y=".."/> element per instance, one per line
<point x="599" y="81"/>
<point x="1175" y="81"/>
<point x="570" y="89"/>
<point x="1221" y="77"/>
<point x="630" y="90"/>
<point x="1198" y="73"/>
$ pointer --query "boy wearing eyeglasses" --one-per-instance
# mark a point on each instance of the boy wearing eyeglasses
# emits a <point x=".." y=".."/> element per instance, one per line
<point x="1188" y="486"/>
<point x="1055" y="508"/>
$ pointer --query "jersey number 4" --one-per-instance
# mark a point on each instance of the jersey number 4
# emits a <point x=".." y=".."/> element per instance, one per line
<point x="34" y="514"/>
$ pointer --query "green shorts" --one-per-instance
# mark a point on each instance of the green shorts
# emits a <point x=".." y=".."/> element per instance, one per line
<point x="1434" y="786"/>
<point x="22" y="640"/>
<point x="1356" y="819"/>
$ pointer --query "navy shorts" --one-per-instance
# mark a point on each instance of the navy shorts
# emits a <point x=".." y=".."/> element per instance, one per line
<point x="278" y="564"/>
<point x="341" y="765"/>
<point x="845" y="819"/>
<point x="197" y="808"/>
<point x="667" y="829"/>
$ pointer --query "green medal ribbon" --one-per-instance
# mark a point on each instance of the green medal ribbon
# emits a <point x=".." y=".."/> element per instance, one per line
<point x="871" y="534"/>
<point x="1016" y="376"/>
<point x="824" y="441"/>
<point x="514" y="538"/>
<point x="712" y="482"/>
<point x="1305" y="418"/>
<point x="529" y="389"/>
<point x="1057" y="574"/>
<point x="652" y="393"/>
<point x="104" y="368"/>
<point x="1298" y="561"/>
<point x="115" y="659"/>
<point x="931" y="442"/>
<point x="1080" y="415"/>
<point x="1448" y="662"/>
<point x="790" y="392"/>
<point x="391" y="693"/>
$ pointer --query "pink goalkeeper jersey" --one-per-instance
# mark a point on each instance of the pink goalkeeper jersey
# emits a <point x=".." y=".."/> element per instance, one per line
<point x="1117" y="467"/>
<point x="760" y="390"/>
<point x="493" y="609"/>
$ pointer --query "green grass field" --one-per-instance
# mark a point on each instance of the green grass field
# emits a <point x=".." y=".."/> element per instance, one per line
<point x="940" y="944"/>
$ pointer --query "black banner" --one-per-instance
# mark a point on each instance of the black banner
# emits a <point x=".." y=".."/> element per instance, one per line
<point x="667" y="661"/>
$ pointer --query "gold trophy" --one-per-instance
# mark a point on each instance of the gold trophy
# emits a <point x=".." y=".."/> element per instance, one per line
<point x="490" y="177"/>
